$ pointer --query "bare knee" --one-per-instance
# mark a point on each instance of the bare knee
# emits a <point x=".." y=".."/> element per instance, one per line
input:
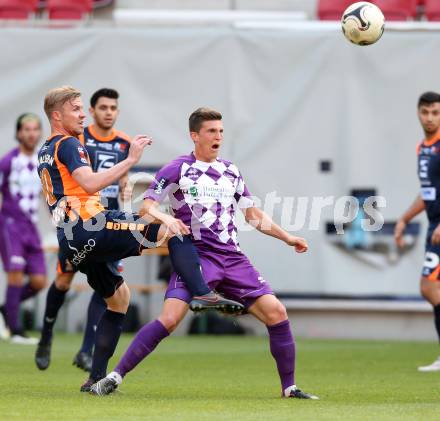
<point x="120" y="300"/>
<point x="63" y="281"/>
<point x="276" y="314"/>
<point x="38" y="282"/>
<point x="430" y="291"/>
<point x="15" y="278"/>
<point x="424" y="290"/>
<point x="170" y="321"/>
<point x="173" y="312"/>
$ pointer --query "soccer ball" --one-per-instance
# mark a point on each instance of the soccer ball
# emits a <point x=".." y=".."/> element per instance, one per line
<point x="363" y="23"/>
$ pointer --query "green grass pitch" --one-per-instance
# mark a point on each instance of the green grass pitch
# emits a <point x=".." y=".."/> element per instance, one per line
<point x="228" y="378"/>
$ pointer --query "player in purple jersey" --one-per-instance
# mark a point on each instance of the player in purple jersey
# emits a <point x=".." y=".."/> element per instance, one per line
<point x="20" y="244"/>
<point x="203" y="190"/>
<point x="428" y="154"/>
<point x="106" y="147"/>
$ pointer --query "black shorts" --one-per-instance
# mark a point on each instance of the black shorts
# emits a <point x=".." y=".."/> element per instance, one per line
<point x="431" y="265"/>
<point x="94" y="247"/>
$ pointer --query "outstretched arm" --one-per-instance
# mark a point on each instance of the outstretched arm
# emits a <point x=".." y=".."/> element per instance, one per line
<point x="264" y="223"/>
<point x="417" y="206"/>
<point x="93" y="182"/>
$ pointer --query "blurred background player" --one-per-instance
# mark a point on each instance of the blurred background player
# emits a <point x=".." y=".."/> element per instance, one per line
<point x="106" y="147"/>
<point x="428" y="200"/>
<point x="203" y="190"/>
<point x="20" y="244"/>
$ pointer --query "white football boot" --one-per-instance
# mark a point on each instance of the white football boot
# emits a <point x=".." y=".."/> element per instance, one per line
<point x="435" y="366"/>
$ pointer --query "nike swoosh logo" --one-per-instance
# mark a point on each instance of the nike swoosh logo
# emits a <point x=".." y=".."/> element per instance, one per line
<point x="209" y="300"/>
<point x="50" y="320"/>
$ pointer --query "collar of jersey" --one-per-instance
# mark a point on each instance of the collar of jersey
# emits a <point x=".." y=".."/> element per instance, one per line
<point x="432" y="140"/>
<point x="100" y="138"/>
<point x="57" y="135"/>
<point x="204" y="162"/>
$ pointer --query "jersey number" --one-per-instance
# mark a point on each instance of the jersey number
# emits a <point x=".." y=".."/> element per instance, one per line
<point x="423" y="168"/>
<point x="46" y="181"/>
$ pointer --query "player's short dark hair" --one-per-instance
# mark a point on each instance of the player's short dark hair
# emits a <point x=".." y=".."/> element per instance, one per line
<point x="23" y="118"/>
<point x="428" y="98"/>
<point x="104" y="92"/>
<point x="200" y="115"/>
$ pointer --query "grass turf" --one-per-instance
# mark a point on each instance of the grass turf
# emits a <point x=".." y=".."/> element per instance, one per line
<point x="228" y="378"/>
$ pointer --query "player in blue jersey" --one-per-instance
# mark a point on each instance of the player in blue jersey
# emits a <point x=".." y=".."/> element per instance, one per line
<point x="90" y="236"/>
<point x="428" y="154"/>
<point x="105" y="146"/>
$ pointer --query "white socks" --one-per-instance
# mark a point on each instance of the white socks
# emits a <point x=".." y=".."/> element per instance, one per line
<point x="286" y="392"/>
<point x="116" y="377"/>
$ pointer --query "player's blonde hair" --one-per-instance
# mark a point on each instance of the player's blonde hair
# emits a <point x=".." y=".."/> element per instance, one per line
<point x="57" y="97"/>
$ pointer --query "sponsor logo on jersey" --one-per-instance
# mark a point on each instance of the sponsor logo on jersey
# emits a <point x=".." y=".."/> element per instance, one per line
<point x="111" y="191"/>
<point x="90" y="142"/>
<point x="160" y="186"/>
<point x="105" y="160"/>
<point x="215" y="192"/>
<point x="106" y="146"/>
<point x="82" y="155"/>
<point x="193" y="191"/>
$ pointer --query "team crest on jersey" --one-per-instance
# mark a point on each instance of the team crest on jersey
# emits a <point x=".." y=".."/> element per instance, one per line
<point x="120" y="147"/>
<point x="193" y="173"/>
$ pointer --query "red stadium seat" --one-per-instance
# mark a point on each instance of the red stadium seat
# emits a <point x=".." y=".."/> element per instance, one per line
<point x="17" y="9"/>
<point x="432" y="10"/>
<point x="332" y="9"/>
<point x="398" y="9"/>
<point x="69" y="9"/>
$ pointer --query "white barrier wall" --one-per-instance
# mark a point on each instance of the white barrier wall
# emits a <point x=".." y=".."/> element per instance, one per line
<point x="290" y="98"/>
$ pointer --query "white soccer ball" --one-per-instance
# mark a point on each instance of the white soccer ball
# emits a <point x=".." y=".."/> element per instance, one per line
<point x="363" y="23"/>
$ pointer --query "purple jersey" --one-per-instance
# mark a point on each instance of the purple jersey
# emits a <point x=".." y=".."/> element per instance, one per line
<point x="203" y="195"/>
<point x="20" y="186"/>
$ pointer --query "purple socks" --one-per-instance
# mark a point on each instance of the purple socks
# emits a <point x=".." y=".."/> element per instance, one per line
<point x="143" y="344"/>
<point x="12" y="306"/>
<point x="282" y="347"/>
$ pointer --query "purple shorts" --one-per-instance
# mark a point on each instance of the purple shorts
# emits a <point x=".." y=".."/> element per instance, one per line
<point x="231" y="274"/>
<point x="20" y="247"/>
